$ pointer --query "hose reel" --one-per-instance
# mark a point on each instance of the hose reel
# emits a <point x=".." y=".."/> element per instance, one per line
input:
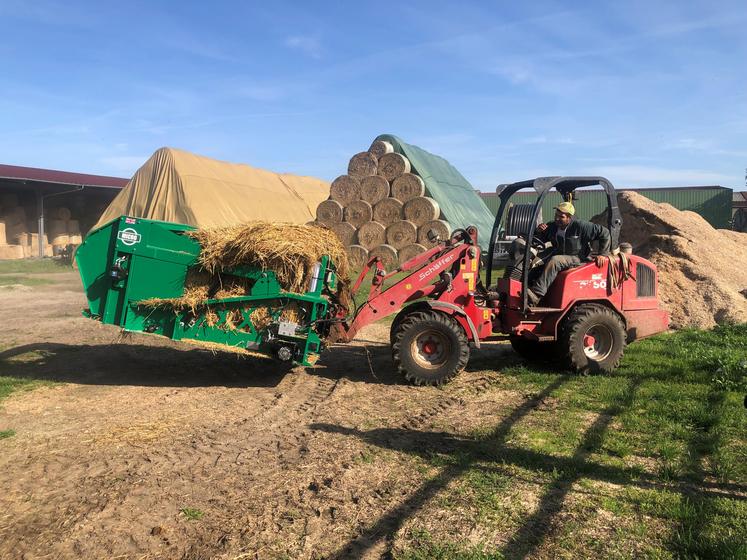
<point x="518" y="219"/>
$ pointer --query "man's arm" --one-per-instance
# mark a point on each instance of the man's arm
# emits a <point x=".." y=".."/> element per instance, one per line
<point x="595" y="232"/>
<point x="603" y="235"/>
<point x="542" y="231"/>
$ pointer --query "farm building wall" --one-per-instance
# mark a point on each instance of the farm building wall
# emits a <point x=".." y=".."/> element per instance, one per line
<point x="69" y="202"/>
<point x="711" y="202"/>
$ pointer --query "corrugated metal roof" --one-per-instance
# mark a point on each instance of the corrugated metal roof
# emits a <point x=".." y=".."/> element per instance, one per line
<point x="19" y="173"/>
<point x="714" y="203"/>
<point x="490" y="194"/>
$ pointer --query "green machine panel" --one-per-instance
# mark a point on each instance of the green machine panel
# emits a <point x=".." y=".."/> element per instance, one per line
<point x="131" y="260"/>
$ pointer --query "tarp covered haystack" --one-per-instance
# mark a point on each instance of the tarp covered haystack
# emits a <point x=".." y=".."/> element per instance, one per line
<point x="396" y="200"/>
<point x="178" y="186"/>
<point x="702" y="278"/>
<point x="461" y="206"/>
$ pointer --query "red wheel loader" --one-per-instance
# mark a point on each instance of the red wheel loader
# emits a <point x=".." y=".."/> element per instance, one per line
<point x="443" y="310"/>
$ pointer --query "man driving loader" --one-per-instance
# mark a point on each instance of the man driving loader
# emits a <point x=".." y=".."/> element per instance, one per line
<point x="570" y="240"/>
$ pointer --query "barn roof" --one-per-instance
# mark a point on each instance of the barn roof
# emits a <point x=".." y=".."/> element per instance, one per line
<point x="37" y="175"/>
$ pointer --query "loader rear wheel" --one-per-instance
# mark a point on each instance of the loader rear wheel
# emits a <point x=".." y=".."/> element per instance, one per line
<point x="429" y="348"/>
<point x="593" y="339"/>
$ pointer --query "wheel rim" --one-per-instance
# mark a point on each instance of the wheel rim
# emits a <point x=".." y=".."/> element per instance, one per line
<point x="598" y="342"/>
<point x="431" y="349"/>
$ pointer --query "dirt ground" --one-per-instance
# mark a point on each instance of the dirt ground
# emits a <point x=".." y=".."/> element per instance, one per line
<point x="148" y="449"/>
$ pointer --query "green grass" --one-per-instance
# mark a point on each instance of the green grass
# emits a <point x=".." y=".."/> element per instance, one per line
<point x="192" y="514"/>
<point x="426" y="547"/>
<point x="34" y="266"/>
<point x="658" y="450"/>
<point x="10" y="384"/>
<point x="24" y="281"/>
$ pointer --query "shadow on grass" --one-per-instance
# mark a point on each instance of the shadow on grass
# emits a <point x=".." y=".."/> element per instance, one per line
<point x="468" y="453"/>
<point x="702" y="517"/>
<point x="420" y="443"/>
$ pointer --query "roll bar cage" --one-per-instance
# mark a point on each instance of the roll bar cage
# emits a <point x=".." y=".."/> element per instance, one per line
<point x="542" y="185"/>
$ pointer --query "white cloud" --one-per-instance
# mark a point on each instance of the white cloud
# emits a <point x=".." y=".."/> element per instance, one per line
<point x="641" y="175"/>
<point x="444" y="143"/>
<point x="705" y="146"/>
<point x="123" y="165"/>
<point x="308" y="44"/>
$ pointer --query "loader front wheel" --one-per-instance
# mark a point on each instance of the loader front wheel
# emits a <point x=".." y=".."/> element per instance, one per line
<point x="429" y="348"/>
<point x="593" y="339"/>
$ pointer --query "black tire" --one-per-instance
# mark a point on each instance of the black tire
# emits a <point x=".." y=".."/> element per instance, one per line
<point x="604" y="350"/>
<point x="429" y="348"/>
<point x="534" y="350"/>
<point x="401" y="316"/>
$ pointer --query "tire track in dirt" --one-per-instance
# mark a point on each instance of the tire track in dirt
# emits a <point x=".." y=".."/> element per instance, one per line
<point x="265" y="435"/>
<point x="458" y="398"/>
<point x="183" y="470"/>
<point x="100" y="495"/>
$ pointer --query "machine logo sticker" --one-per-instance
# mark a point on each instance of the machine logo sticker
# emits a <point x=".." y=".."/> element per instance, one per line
<point x="593" y="283"/>
<point x="129" y="236"/>
<point x="435" y="267"/>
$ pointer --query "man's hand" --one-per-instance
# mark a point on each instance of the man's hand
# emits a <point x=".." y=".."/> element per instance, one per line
<point x="599" y="260"/>
<point x="541" y="228"/>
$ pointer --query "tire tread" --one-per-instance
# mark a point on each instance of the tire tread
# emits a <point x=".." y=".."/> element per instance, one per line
<point x="412" y="321"/>
<point x="570" y="331"/>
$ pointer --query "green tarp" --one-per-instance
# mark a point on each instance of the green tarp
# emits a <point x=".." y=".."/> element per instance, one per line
<point x="460" y="204"/>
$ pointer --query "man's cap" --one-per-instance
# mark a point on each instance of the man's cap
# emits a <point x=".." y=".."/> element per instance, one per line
<point x="566" y="208"/>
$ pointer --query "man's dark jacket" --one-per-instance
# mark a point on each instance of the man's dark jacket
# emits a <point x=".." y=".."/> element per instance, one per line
<point x="578" y="235"/>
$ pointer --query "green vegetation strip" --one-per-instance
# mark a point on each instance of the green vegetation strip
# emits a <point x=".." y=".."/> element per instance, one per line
<point x="192" y="514"/>
<point x="10" y="384"/>
<point x="24" y="281"/>
<point x="34" y="266"/>
<point x="650" y="462"/>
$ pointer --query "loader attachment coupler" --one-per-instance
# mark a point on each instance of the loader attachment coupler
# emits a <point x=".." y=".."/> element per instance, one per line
<point x="137" y="274"/>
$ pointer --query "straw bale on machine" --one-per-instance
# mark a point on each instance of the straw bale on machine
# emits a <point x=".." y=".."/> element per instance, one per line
<point x="290" y="251"/>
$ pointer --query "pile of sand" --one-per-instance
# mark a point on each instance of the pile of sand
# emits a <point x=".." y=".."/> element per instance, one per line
<point x="702" y="270"/>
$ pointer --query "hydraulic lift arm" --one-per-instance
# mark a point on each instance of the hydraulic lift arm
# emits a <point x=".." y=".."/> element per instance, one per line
<point x="429" y="275"/>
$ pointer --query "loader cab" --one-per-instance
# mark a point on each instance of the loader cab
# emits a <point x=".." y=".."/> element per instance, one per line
<point x="515" y="224"/>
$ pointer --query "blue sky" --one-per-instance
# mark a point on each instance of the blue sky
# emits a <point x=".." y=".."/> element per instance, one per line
<point x="645" y="93"/>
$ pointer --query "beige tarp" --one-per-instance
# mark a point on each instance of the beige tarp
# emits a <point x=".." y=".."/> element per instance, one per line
<point x="178" y="186"/>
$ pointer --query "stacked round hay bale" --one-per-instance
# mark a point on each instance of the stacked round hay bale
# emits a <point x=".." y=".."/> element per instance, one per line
<point x="57" y="230"/>
<point x="73" y="232"/>
<point x="62" y="229"/>
<point x="13" y="229"/>
<point x="380" y="207"/>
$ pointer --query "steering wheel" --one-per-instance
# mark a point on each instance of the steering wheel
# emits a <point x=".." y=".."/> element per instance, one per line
<point x="538" y="243"/>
